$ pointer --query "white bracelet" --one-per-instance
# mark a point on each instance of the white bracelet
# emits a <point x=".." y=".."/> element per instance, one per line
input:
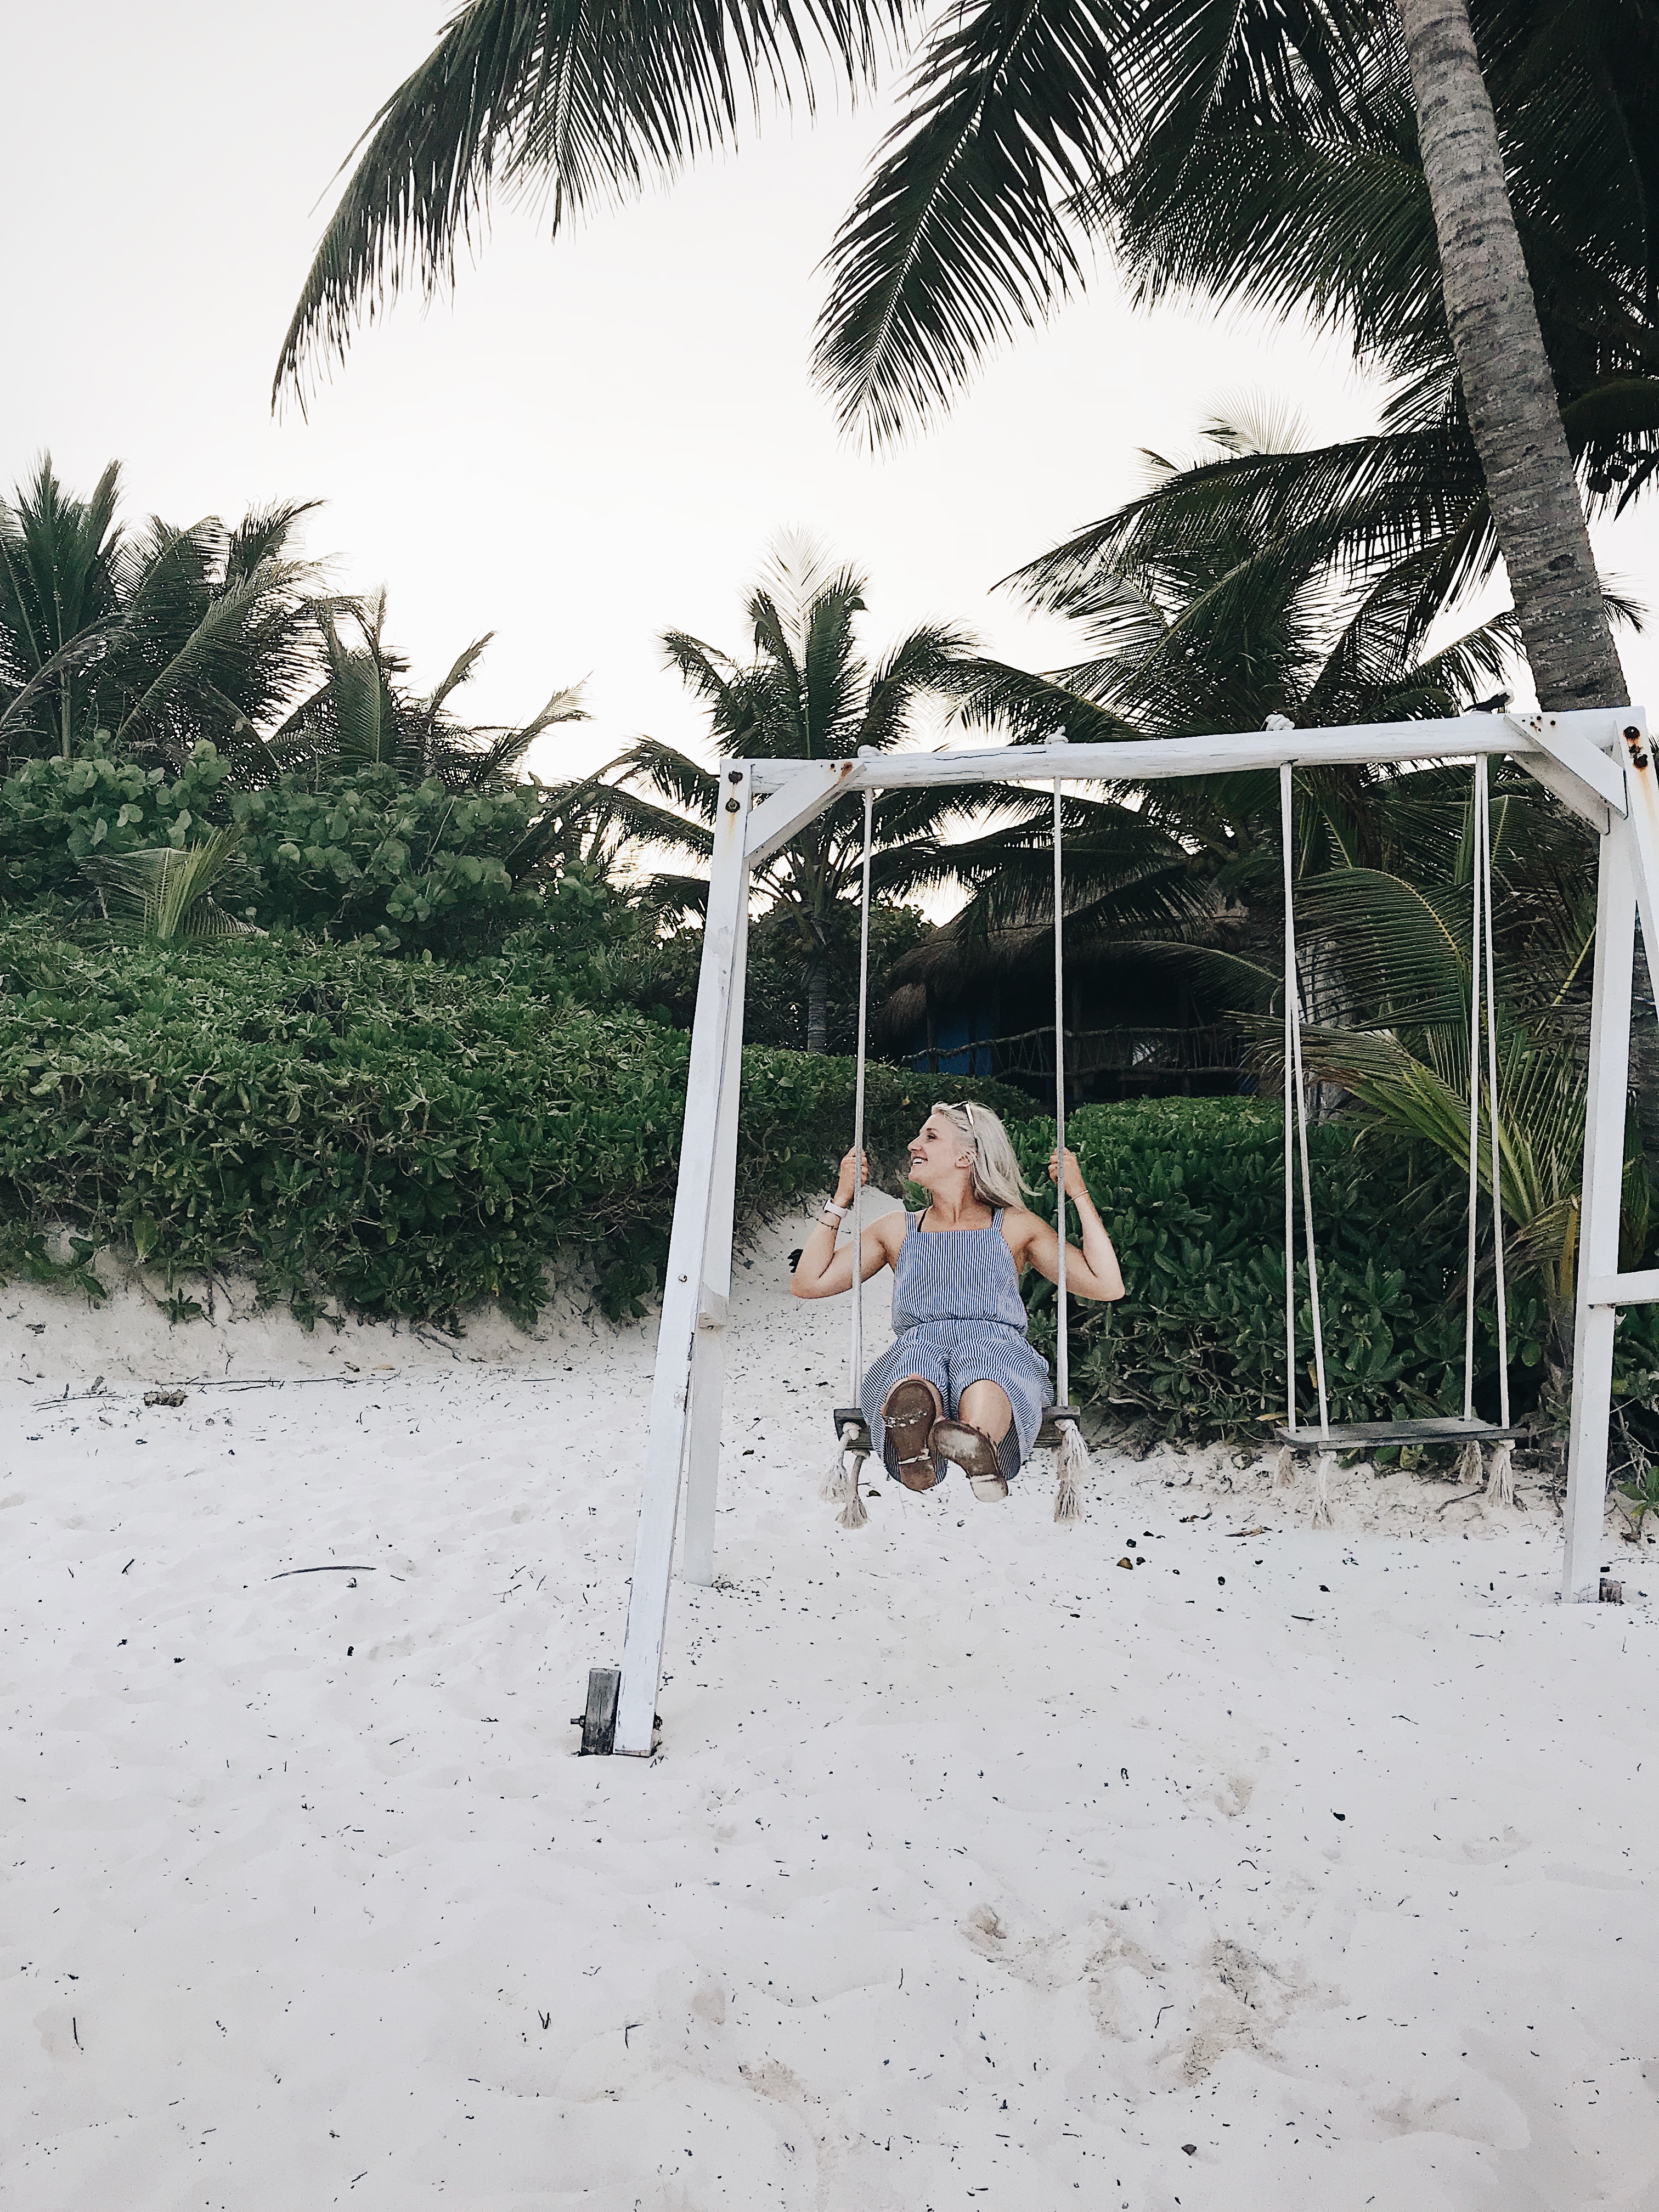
<point x="841" y="1212"/>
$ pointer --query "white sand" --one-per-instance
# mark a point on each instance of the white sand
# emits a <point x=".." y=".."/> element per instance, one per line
<point x="977" y="1870"/>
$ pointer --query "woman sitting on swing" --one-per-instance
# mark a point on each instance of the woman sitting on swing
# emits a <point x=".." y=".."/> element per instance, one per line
<point x="960" y="1384"/>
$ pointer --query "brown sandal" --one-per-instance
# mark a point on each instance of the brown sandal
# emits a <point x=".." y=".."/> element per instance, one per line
<point x="909" y="1418"/>
<point x="972" y="1450"/>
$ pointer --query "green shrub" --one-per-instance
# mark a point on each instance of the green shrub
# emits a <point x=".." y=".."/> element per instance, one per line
<point x="1192" y="1193"/>
<point x="402" y="1137"/>
<point x="414" y="866"/>
<point x="56" y="813"/>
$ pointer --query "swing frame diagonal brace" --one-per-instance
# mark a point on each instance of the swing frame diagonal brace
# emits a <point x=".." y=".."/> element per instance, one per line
<point x="799" y="798"/>
<point x="708" y="1151"/>
<point x="1579" y="773"/>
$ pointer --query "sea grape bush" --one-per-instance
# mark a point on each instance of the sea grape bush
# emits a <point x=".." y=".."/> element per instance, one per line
<point x="413" y="867"/>
<point x="56" y="813"/>
<point x="416" y="867"/>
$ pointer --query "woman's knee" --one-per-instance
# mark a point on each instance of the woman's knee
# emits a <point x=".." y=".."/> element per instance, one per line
<point x="985" y="1407"/>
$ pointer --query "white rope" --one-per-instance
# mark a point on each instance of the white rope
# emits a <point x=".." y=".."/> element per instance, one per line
<point x="1491" y="1116"/>
<point x="1295" y="1080"/>
<point x="1071" y="1467"/>
<point x="1476" y="973"/>
<point x="1286" y="1462"/>
<point x="844" y="1481"/>
<point x="858" y="1112"/>
<point x="1062" y="1347"/>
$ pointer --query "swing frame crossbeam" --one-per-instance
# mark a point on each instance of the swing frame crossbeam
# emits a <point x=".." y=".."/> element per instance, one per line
<point x="1597" y="760"/>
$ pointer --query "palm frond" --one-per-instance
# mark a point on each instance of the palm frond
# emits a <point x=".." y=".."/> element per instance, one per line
<point x="81" y="651"/>
<point x="226" y="633"/>
<point x="553" y="98"/>
<point x="1404" y="951"/>
<point x="163" y="892"/>
<point x="462" y="669"/>
<point x="937" y="658"/>
<point x="957" y="241"/>
<point x="1032" y="709"/>
<point x="724" y="689"/>
<point x="673" y="775"/>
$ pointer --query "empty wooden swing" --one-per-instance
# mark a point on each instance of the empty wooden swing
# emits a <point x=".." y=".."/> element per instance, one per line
<point x="1329" y="1437"/>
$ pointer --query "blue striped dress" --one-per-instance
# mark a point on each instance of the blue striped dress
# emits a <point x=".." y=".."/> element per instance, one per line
<point x="959" y="1318"/>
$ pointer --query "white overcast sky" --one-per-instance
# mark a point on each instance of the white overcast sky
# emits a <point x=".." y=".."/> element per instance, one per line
<point x="595" y="439"/>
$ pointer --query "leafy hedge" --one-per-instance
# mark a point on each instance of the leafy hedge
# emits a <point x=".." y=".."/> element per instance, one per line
<point x="1192" y="1191"/>
<point x="404" y="1137"/>
<point x="414" y="866"/>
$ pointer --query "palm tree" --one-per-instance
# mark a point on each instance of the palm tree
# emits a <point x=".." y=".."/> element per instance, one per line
<point x="1194" y="620"/>
<point x="807" y="695"/>
<point x="1327" y="206"/>
<point x="158" y="641"/>
<point x="1186" y="632"/>
<point x="58" y="600"/>
<point x="364" y="714"/>
<point x="1023" y="123"/>
<point x="1504" y="367"/>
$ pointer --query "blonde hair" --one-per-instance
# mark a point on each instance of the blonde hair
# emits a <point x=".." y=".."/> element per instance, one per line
<point x="995" y="1171"/>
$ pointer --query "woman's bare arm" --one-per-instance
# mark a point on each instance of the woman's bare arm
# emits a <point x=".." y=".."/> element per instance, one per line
<point x="1092" y="1272"/>
<point x="822" y="1271"/>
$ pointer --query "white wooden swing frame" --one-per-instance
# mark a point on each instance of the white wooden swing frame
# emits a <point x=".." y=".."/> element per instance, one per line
<point x="1597" y="760"/>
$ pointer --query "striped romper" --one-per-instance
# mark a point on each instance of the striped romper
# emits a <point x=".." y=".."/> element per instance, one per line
<point x="959" y="1318"/>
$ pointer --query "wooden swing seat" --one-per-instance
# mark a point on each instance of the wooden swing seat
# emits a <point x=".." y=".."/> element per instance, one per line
<point x="852" y="1417"/>
<point x="1431" y="1429"/>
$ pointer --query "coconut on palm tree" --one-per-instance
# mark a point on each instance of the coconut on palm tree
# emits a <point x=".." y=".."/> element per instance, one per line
<point x="806" y="694"/>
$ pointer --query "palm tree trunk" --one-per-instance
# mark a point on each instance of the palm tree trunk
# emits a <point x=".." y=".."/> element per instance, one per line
<point x="1514" y="417"/>
<point x="815" y="969"/>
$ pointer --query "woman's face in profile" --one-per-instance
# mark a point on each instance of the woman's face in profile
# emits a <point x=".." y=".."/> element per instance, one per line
<point x="934" y="1152"/>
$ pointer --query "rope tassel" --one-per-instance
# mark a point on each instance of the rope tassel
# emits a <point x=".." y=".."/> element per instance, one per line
<point x="1072" y="1471"/>
<point x="1500" y="1476"/>
<point x="1285" y="1468"/>
<point x="854" y="1513"/>
<point x="833" y="1488"/>
<point x="1472" y="1463"/>
<point x="1321" y="1515"/>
